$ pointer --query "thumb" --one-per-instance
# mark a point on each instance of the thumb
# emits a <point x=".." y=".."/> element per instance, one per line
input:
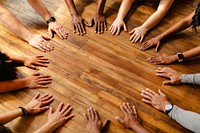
<point x="36" y="74"/>
<point x="125" y="27"/>
<point x="157" y="47"/>
<point x="50" y="110"/>
<point x="86" y="23"/>
<point x="50" y="32"/>
<point x="160" y="92"/>
<point x="105" y="125"/>
<point x="33" y="67"/>
<point x="120" y="120"/>
<point x="168" y="82"/>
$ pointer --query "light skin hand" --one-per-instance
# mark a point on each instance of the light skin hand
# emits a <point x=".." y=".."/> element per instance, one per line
<point x="79" y="24"/>
<point x="116" y="26"/>
<point x="58" y="29"/>
<point x="37" y="81"/>
<point x="94" y="124"/>
<point x="33" y="62"/>
<point x="157" y="100"/>
<point x="163" y="59"/>
<point x="131" y="119"/>
<point x="175" y="77"/>
<point x="40" y="42"/>
<point x="154" y="42"/>
<point x="137" y="34"/>
<point x="37" y="105"/>
<point x="99" y="22"/>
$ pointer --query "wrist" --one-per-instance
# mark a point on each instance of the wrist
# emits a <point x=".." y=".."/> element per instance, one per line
<point x="46" y="128"/>
<point x="137" y="127"/>
<point x="175" y="57"/>
<point x="163" y="106"/>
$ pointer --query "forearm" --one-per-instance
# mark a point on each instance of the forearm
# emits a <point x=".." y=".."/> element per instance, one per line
<point x="187" y="119"/>
<point x="124" y="8"/>
<point x="181" y="25"/>
<point x="100" y="7"/>
<point x="139" y="129"/>
<point x="7" y="86"/>
<point x="16" y="57"/>
<point x="46" y="128"/>
<point x="156" y="17"/>
<point x="191" y="78"/>
<point x="11" y="22"/>
<point x="40" y="8"/>
<point x="9" y="116"/>
<point x="71" y="7"/>
<point x="192" y="53"/>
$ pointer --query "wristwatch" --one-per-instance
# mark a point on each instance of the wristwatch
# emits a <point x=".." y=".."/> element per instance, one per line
<point x="51" y="19"/>
<point x="180" y="57"/>
<point x="168" y="108"/>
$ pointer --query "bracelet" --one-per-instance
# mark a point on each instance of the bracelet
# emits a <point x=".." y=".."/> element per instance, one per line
<point x="51" y="19"/>
<point x="24" y="111"/>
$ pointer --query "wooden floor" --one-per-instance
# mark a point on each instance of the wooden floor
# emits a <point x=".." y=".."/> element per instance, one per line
<point x="102" y="71"/>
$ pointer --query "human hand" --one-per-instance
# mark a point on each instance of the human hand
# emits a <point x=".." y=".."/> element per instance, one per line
<point x="163" y="59"/>
<point x="138" y="34"/>
<point x="157" y="100"/>
<point x="58" y="29"/>
<point x="33" y="62"/>
<point x="99" y="22"/>
<point x="79" y="24"/>
<point x="94" y="124"/>
<point x="37" y="81"/>
<point x="40" y="42"/>
<point x="116" y="26"/>
<point x="59" y="117"/>
<point x="131" y="120"/>
<point x="37" y="105"/>
<point x="151" y="43"/>
<point x="175" y="77"/>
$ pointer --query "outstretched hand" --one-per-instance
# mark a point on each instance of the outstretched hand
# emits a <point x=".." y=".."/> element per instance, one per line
<point x="131" y="120"/>
<point x="40" y="42"/>
<point x="33" y="62"/>
<point x="99" y="22"/>
<point x="79" y="24"/>
<point x="175" y="77"/>
<point x="94" y="124"/>
<point x="55" y="27"/>
<point x="37" y="105"/>
<point x="157" y="100"/>
<point x="137" y="34"/>
<point x="154" y="42"/>
<point x="163" y="59"/>
<point x="116" y="26"/>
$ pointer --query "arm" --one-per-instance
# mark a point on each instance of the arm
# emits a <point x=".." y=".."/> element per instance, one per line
<point x="181" y="25"/>
<point x="139" y="32"/>
<point x="119" y="21"/>
<point x="41" y="9"/>
<point x="191" y="78"/>
<point x="36" y="105"/>
<point x="77" y="21"/>
<point x="187" y="119"/>
<point x="33" y="81"/>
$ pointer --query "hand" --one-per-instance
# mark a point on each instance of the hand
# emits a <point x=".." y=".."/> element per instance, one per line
<point x="138" y="34"/>
<point x="79" y="24"/>
<point x="151" y="43"/>
<point x="94" y="124"/>
<point x="116" y="26"/>
<point x="157" y="100"/>
<point x="40" y="42"/>
<point x="58" y="29"/>
<point x="37" y="81"/>
<point x="131" y="119"/>
<point x="99" y="22"/>
<point x="163" y="59"/>
<point x="37" y="105"/>
<point x="59" y="117"/>
<point x="38" y="60"/>
<point x="175" y="77"/>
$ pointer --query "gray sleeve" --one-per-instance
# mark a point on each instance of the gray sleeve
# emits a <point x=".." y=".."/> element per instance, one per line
<point x="191" y="78"/>
<point x="187" y="119"/>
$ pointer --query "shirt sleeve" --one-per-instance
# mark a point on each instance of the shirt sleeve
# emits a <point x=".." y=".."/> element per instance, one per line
<point x="187" y="119"/>
<point x="191" y="78"/>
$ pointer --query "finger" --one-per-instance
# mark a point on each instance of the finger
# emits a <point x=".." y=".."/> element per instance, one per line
<point x="44" y="82"/>
<point x="47" y="102"/>
<point x="151" y="91"/>
<point x="33" y="67"/>
<point x="118" y="30"/>
<point x="147" y="101"/>
<point x="126" y="108"/>
<point x="46" y="38"/>
<point x="110" y="27"/>
<point x="44" y="96"/>
<point x="86" y="117"/>
<point x="80" y="30"/>
<point x="125" y="28"/>
<point x="69" y="117"/>
<point x="44" y="46"/>
<point x="120" y="120"/>
<point x="60" y="106"/>
<point x="168" y="82"/>
<point x="42" y="86"/>
<point x="96" y="27"/>
<point x="59" y="33"/>
<point x="137" y="38"/>
<point x="50" y="32"/>
<point x="74" y="28"/>
<point x="43" y="60"/>
<point x="105" y="125"/>
<point x="85" y="22"/>
<point x="50" y="110"/>
<point x="89" y="114"/>
<point x="161" y="93"/>
<point x="129" y="108"/>
<point x="146" y="96"/>
<point x="83" y="28"/>
<point x="68" y="111"/>
<point x="36" y="74"/>
<point x="92" y="113"/>
<point x="102" y="28"/>
<point x="105" y="25"/>
<point x="40" y="48"/>
<point x="114" y="30"/>
<point x="41" y="64"/>
<point x="36" y="96"/>
<point x="134" y="111"/>
<point x="132" y="31"/>
<point x="131" y="38"/>
<point x="141" y="39"/>
<point x="96" y="115"/>
<point x="65" y="108"/>
<point x="157" y="47"/>
<point x="43" y="108"/>
<point x="123" y="110"/>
